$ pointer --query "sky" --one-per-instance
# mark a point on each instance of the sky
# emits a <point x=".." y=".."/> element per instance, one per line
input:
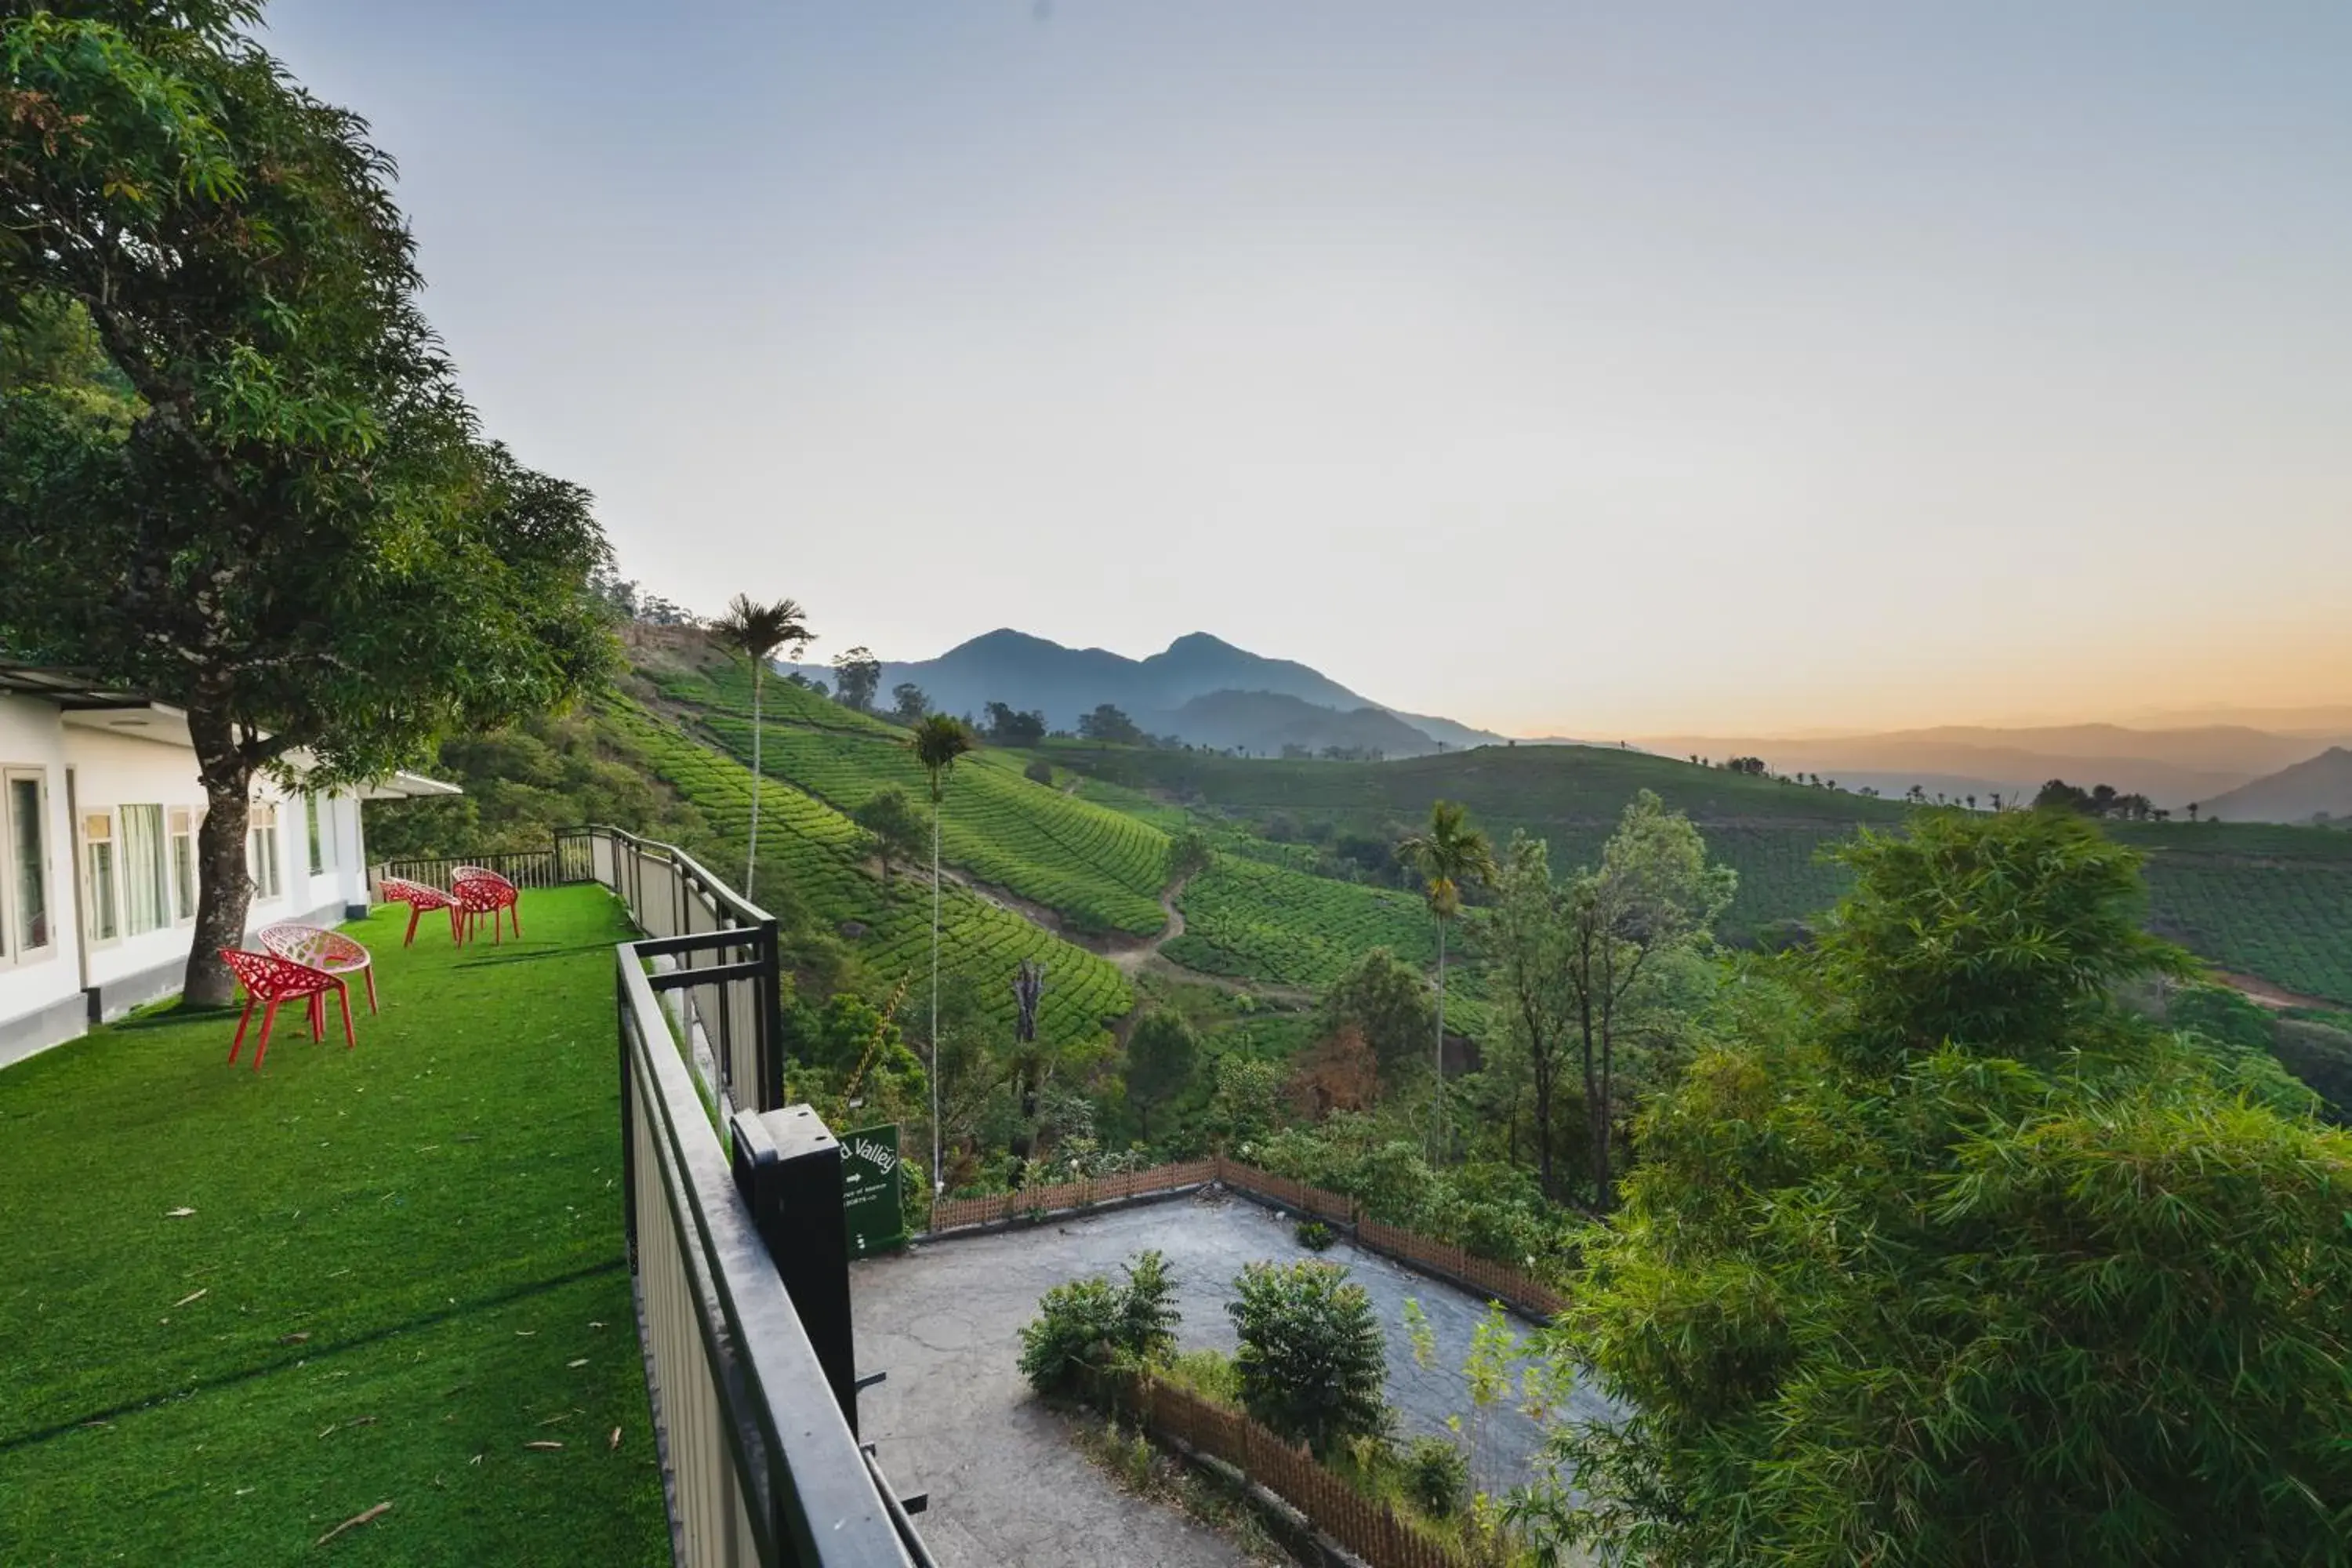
<point x="1584" y="369"/>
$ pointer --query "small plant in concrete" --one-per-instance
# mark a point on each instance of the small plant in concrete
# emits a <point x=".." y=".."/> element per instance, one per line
<point x="1315" y="1235"/>
<point x="1091" y="1326"/>
<point x="1437" y="1473"/>
<point x="1311" y="1361"/>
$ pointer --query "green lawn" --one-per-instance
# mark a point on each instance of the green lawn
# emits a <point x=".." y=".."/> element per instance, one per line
<point x="404" y="1265"/>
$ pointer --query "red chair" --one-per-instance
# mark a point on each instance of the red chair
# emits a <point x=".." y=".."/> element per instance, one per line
<point x="478" y="892"/>
<point x="419" y="898"/>
<point x="270" y="979"/>
<point x="320" y="949"/>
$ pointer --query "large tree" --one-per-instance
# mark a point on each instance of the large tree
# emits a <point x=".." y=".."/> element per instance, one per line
<point x="1528" y="941"/>
<point x="1652" y="894"/>
<point x="759" y="632"/>
<point x="1451" y="857"/>
<point x="294" y="529"/>
<point x="1941" y="1258"/>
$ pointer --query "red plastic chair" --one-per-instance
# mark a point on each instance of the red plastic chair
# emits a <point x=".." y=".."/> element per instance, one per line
<point x="478" y="892"/>
<point x="322" y="949"/>
<point x="419" y="898"/>
<point x="270" y="979"/>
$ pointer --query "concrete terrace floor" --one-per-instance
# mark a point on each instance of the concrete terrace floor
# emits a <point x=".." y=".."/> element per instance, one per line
<point x="1006" y="1484"/>
<point x="404" y="1264"/>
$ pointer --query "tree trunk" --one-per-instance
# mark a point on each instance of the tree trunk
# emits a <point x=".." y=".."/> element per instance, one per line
<point x="224" y="890"/>
<point x="1437" y="1106"/>
<point x="1596" y="1126"/>
<point x="751" y="856"/>
<point x="1544" y="1067"/>
<point x="939" y="1176"/>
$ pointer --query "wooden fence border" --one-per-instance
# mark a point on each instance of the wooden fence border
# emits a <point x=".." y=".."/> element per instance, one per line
<point x="1371" y="1530"/>
<point x="1447" y="1260"/>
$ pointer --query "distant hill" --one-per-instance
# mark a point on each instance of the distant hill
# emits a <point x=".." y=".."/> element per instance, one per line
<point x="1034" y="673"/>
<point x="2172" y="767"/>
<point x="1263" y="723"/>
<point x="2321" y="787"/>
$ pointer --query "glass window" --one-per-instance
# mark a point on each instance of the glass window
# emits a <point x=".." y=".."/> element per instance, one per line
<point x="183" y="862"/>
<point x="28" y="859"/>
<point x="146" y="891"/>
<point x="261" y="851"/>
<point x="98" y="877"/>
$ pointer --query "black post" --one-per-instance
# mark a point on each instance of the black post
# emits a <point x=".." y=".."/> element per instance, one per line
<point x="770" y="1003"/>
<point x="788" y="1167"/>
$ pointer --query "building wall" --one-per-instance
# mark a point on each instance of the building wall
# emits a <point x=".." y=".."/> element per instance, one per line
<point x="95" y="765"/>
<point x="41" y="998"/>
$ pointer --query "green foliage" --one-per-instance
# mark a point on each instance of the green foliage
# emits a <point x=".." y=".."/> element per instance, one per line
<point x="1437" y="1473"/>
<point x="1389" y="1004"/>
<point x="1091" y="1326"/>
<point x="1162" y="1055"/>
<point x="1943" y="1259"/>
<point x="1038" y="771"/>
<point x="1999" y="933"/>
<point x="896" y="823"/>
<point x="1311" y="1363"/>
<point x="1314" y="1236"/>
<point x="1242" y="1107"/>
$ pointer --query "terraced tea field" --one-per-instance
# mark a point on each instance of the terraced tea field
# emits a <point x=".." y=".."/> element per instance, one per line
<point x="1102" y="870"/>
<point x="1252" y="920"/>
<point x="811" y="852"/>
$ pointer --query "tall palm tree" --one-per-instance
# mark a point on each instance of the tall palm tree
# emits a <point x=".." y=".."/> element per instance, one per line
<point x="937" y="741"/>
<point x="1450" y="855"/>
<point x="758" y="632"/>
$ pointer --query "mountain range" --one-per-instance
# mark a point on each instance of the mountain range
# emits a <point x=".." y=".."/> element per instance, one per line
<point x="1199" y="689"/>
<point x="2320" y="786"/>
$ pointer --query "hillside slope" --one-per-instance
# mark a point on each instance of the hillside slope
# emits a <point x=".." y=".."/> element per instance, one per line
<point x="2319" y="786"/>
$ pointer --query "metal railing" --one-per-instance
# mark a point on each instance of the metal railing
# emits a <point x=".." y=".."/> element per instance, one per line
<point x="754" y="1400"/>
<point x="716" y="950"/>
<point x="523" y="868"/>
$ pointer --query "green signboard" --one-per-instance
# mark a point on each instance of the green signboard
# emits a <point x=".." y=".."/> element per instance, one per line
<point x="869" y="1189"/>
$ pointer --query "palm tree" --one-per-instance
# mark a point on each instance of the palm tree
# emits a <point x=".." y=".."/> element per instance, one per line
<point x="937" y="741"/>
<point x="1450" y="855"/>
<point x="757" y="631"/>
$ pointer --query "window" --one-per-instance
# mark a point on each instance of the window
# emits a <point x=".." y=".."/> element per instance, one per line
<point x="183" y="862"/>
<point x="98" y="877"/>
<point x="320" y="812"/>
<point x="25" y="898"/>
<point x="261" y="850"/>
<point x="146" y="890"/>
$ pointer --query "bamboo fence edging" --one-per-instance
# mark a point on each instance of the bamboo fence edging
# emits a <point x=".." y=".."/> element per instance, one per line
<point x="1371" y="1530"/>
<point x="1445" y="1260"/>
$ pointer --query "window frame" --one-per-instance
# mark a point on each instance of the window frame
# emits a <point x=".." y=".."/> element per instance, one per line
<point x="90" y="844"/>
<point x="131" y="874"/>
<point x="14" y="950"/>
<point x="261" y="846"/>
<point x="180" y="826"/>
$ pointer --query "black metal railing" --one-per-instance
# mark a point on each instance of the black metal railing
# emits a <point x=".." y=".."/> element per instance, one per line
<point x="749" y="1365"/>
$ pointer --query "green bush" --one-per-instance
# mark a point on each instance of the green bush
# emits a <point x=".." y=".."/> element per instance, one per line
<point x="1311" y="1361"/>
<point x="1437" y="1473"/>
<point x="1314" y="1236"/>
<point x="1039" y="771"/>
<point x="1090" y="1326"/>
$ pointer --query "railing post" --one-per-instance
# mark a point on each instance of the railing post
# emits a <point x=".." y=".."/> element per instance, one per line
<point x="769" y="1001"/>
<point x="788" y="1167"/>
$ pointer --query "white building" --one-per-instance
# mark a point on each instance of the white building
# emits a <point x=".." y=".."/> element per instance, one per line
<point x="99" y="804"/>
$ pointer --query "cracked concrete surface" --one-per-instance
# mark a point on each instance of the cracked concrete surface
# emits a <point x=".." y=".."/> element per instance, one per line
<point x="1007" y="1487"/>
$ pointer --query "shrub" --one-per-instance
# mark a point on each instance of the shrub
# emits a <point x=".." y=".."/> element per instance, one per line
<point x="1311" y="1364"/>
<point x="1092" y="1325"/>
<point x="1437" y="1474"/>
<point x="1039" y="771"/>
<point x="1314" y="1236"/>
<point x="1076" y="1332"/>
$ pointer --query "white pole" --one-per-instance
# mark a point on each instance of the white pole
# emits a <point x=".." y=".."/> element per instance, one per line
<point x="751" y="857"/>
<point x="938" y="1175"/>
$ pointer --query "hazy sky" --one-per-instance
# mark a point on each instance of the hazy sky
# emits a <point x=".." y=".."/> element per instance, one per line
<point x="1586" y="368"/>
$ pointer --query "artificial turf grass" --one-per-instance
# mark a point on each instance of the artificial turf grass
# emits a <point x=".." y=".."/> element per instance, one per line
<point x="437" y="1211"/>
